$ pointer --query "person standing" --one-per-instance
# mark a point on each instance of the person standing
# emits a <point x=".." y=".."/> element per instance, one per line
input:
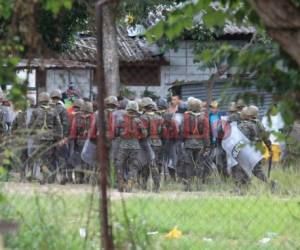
<point x="153" y="123"/>
<point x="196" y="141"/>
<point x="62" y="150"/>
<point x="131" y="131"/>
<point x="47" y="132"/>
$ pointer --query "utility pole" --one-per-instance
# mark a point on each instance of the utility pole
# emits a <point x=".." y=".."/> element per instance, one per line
<point x="102" y="152"/>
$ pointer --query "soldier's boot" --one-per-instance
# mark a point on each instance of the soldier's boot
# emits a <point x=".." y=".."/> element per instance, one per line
<point x="145" y="173"/>
<point x="156" y="179"/>
<point x="172" y="174"/>
<point x="121" y="186"/>
<point x="46" y="174"/>
<point x="144" y="183"/>
<point x="120" y="180"/>
<point x="187" y="185"/>
<point x="22" y="174"/>
<point x="156" y="188"/>
<point x="274" y="186"/>
<point x="130" y="186"/>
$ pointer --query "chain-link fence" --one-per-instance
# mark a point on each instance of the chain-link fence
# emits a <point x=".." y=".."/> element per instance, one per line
<point x="174" y="195"/>
<point x="187" y="168"/>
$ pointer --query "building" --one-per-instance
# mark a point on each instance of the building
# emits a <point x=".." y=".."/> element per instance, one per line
<point x="138" y="66"/>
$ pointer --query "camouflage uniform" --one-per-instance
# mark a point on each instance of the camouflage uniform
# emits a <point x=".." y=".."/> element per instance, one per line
<point x="77" y="105"/>
<point x="79" y="132"/>
<point x="251" y="130"/>
<point x="171" y="130"/>
<point x="233" y="113"/>
<point x="46" y="130"/>
<point x="62" y="151"/>
<point x="196" y="141"/>
<point x="153" y="123"/>
<point x="20" y="134"/>
<point x="130" y="130"/>
<point x="162" y="106"/>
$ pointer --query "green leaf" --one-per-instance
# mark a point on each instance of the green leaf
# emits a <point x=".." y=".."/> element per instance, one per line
<point x="207" y="55"/>
<point x="156" y="32"/>
<point x="5" y="9"/>
<point x="214" y="18"/>
<point x="56" y="5"/>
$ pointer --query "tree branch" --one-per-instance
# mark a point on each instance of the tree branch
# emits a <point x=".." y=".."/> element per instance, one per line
<point x="282" y="21"/>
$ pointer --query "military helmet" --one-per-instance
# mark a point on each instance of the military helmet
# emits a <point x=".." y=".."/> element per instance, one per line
<point x="111" y="100"/>
<point x="44" y="97"/>
<point x="123" y="103"/>
<point x="56" y="93"/>
<point x="154" y="106"/>
<point x="146" y="101"/>
<point x="253" y="111"/>
<point x="132" y="106"/>
<point x="87" y="107"/>
<point x="162" y="103"/>
<point x="240" y="104"/>
<point x="182" y="107"/>
<point x="78" y="103"/>
<point x="232" y="107"/>
<point x="194" y="104"/>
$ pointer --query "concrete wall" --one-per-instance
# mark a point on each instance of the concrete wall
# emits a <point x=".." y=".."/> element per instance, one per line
<point x="182" y="68"/>
<point x="57" y="78"/>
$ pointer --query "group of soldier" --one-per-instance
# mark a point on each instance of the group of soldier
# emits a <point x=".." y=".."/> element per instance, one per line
<point x="181" y="141"/>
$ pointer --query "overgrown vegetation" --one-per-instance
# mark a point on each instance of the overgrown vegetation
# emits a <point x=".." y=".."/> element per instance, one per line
<point x="214" y="218"/>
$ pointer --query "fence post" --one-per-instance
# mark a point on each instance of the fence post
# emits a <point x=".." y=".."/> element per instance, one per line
<point x="106" y="230"/>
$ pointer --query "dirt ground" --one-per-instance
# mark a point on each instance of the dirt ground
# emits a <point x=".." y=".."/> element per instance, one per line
<point x="75" y="189"/>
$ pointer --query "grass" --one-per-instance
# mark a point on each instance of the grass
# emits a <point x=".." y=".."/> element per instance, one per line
<point x="214" y="218"/>
<point x="230" y="222"/>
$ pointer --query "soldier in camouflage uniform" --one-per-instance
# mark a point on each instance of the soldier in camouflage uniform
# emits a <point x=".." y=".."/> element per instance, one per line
<point x="240" y="105"/>
<point x="62" y="151"/>
<point x="76" y="107"/>
<point x="47" y="132"/>
<point x="168" y="126"/>
<point x="153" y="123"/>
<point x="81" y="124"/>
<point x="196" y="141"/>
<point x="131" y="131"/>
<point x="233" y="115"/>
<point x="238" y="174"/>
<point x="89" y="118"/>
<point x="20" y="131"/>
<point x="252" y="131"/>
<point x="261" y="136"/>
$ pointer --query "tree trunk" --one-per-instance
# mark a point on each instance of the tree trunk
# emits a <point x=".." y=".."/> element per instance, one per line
<point x="110" y="52"/>
<point x="282" y="21"/>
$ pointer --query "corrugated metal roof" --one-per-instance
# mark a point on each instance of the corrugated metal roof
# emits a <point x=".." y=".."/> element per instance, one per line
<point x="160" y="13"/>
<point x="83" y="53"/>
<point x="131" y="49"/>
<point x="53" y="63"/>
<point x="225" y="93"/>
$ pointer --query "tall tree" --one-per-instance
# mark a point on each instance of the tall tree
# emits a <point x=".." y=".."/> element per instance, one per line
<point x="271" y="66"/>
<point x="110" y="50"/>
